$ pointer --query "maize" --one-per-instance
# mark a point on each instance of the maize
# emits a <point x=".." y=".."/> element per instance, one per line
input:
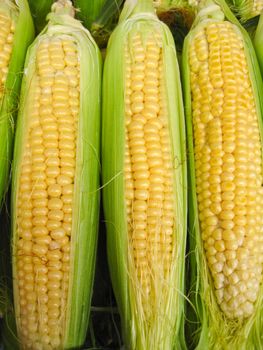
<point x="16" y="33"/>
<point x="144" y="176"/>
<point x="55" y="194"/>
<point x="224" y="123"/>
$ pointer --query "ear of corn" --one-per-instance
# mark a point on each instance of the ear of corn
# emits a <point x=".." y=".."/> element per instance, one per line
<point x="224" y="125"/>
<point x="55" y="192"/>
<point x="16" y="33"/>
<point x="144" y="179"/>
<point x="258" y="42"/>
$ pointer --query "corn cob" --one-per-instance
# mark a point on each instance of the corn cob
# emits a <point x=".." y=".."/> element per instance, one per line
<point x="246" y="9"/>
<point x="224" y="110"/>
<point x="55" y="186"/>
<point x="144" y="177"/>
<point x="258" y="42"/>
<point x="16" y="33"/>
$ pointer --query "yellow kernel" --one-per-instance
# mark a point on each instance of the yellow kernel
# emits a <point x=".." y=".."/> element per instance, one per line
<point x="58" y="233"/>
<point x="55" y="204"/>
<point x="64" y="180"/>
<point x="54" y="190"/>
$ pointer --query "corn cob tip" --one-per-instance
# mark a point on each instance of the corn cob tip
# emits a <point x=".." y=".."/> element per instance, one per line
<point x="63" y="7"/>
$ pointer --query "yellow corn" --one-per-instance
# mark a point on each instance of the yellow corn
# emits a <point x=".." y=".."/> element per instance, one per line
<point x="7" y="30"/>
<point x="148" y="163"/>
<point x="45" y="193"/>
<point x="54" y="148"/>
<point x="228" y="166"/>
<point x="144" y="173"/>
<point x="224" y="110"/>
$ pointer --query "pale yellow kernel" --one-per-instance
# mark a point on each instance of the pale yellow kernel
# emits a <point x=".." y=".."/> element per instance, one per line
<point x="55" y="204"/>
<point x="53" y="224"/>
<point x="52" y="171"/>
<point x="54" y="255"/>
<point x="68" y="171"/>
<point x="67" y="209"/>
<point x="58" y="233"/>
<point x="39" y="231"/>
<point x="43" y="240"/>
<point x="233" y="278"/>
<point x="39" y="249"/>
<point x="64" y="180"/>
<point x="40" y="211"/>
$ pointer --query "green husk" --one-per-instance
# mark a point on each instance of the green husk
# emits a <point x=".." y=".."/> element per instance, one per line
<point x="88" y="10"/>
<point x="86" y="187"/>
<point x="258" y="42"/>
<point x="206" y="323"/>
<point x="106" y="21"/>
<point x="23" y="36"/>
<point x="40" y="9"/>
<point x="166" y="330"/>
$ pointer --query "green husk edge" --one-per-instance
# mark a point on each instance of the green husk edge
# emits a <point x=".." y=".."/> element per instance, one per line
<point x="207" y="324"/>
<point x="168" y="329"/>
<point x="24" y="33"/>
<point x="258" y="42"/>
<point x="86" y="190"/>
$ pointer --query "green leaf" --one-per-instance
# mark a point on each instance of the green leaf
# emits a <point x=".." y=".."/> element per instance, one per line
<point x="40" y="9"/>
<point x="88" y="10"/>
<point x="258" y="42"/>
